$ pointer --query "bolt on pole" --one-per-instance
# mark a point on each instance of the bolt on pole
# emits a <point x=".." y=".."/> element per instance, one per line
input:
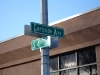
<point x="45" y="68"/>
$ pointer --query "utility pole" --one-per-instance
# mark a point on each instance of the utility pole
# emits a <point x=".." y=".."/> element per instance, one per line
<point x="45" y="64"/>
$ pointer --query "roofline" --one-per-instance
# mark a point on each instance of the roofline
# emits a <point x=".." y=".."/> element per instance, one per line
<point x="76" y="15"/>
<point x="11" y="38"/>
<point x="53" y="23"/>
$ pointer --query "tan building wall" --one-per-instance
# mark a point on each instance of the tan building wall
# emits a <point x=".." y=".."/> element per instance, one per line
<point x="17" y="58"/>
<point x="0" y="72"/>
<point x="31" y="68"/>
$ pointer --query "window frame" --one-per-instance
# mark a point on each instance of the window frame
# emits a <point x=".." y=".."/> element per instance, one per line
<point x="77" y="66"/>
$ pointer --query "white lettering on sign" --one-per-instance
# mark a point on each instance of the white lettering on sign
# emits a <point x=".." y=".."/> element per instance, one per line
<point x="41" y="29"/>
<point x="46" y="30"/>
<point x="57" y="32"/>
<point x="49" y="31"/>
<point x="34" y="27"/>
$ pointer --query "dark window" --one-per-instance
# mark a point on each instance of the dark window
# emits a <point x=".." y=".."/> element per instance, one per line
<point x="86" y="56"/>
<point x="64" y="72"/>
<point x="80" y="62"/>
<point x="54" y="73"/>
<point x="67" y="61"/>
<point x="68" y="72"/>
<point x="53" y="64"/>
<point x="72" y="72"/>
<point x="93" y="70"/>
<point x="84" y="71"/>
<point x="88" y="70"/>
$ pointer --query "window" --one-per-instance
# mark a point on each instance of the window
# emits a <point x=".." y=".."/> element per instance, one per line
<point x="54" y="64"/>
<point x="86" y="56"/>
<point x="81" y="62"/>
<point x="66" y="62"/>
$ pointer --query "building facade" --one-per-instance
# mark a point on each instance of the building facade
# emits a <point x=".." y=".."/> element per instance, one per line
<point x="77" y="53"/>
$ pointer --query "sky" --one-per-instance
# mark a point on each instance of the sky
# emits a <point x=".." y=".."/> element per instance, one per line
<point x="14" y="14"/>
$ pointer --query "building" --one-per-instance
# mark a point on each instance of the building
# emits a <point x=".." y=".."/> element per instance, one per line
<point x="77" y="54"/>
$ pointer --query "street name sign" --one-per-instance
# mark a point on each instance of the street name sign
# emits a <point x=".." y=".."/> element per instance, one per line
<point x="54" y="40"/>
<point x="47" y="30"/>
<point x="41" y="43"/>
<point x="27" y="32"/>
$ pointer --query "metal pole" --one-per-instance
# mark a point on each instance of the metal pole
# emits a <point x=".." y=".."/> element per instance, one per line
<point x="44" y="11"/>
<point x="45" y="69"/>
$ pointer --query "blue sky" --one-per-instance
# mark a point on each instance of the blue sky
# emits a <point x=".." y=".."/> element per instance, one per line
<point x="14" y="14"/>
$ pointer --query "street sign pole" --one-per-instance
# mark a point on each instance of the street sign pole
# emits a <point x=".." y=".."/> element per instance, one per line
<point x="45" y="68"/>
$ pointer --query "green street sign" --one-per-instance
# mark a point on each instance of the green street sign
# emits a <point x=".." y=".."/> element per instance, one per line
<point x="41" y="43"/>
<point x="47" y="30"/>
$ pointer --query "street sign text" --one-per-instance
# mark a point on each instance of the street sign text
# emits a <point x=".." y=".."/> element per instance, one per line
<point x="47" y="30"/>
<point x="41" y="43"/>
